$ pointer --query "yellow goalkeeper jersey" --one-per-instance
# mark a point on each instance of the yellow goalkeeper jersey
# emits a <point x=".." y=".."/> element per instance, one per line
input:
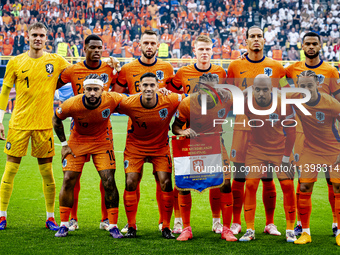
<point x="35" y="82"/>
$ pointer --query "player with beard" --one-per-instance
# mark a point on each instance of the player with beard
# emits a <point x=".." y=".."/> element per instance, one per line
<point x="129" y="78"/>
<point x="328" y="83"/>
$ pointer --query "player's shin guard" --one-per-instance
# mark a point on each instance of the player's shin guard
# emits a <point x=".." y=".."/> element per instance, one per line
<point x="48" y="185"/>
<point x="250" y="202"/>
<point x="269" y="200"/>
<point x="289" y="202"/>
<point x="297" y="199"/>
<point x="227" y="208"/>
<point x="159" y="201"/>
<point x="215" y="202"/>
<point x="131" y="204"/>
<point x="237" y="189"/>
<point x="331" y="198"/>
<point x="6" y="187"/>
<point x="102" y="201"/>
<point x="64" y="213"/>
<point x="168" y="204"/>
<point x="76" y="191"/>
<point x="337" y="206"/>
<point x="177" y="211"/>
<point x="113" y="215"/>
<point x="185" y="203"/>
<point x="305" y="208"/>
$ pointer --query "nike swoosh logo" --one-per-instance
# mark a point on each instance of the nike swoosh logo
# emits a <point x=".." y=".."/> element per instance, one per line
<point x="182" y="205"/>
<point x="81" y="78"/>
<point x="291" y="212"/>
<point x="49" y="152"/>
<point x="134" y="75"/>
<point x="229" y="204"/>
<point x="243" y="72"/>
<point x="137" y="117"/>
<point x="129" y="205"/>
<point x="168" y="206"/>
<point x="5" y="182"/>
<point x="25" y="71"/>
<point x="248" y="210"/>
<point x="112" y="164"/>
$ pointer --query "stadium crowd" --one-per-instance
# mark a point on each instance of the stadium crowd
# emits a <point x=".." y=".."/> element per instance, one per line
<point x="120" y="24"/>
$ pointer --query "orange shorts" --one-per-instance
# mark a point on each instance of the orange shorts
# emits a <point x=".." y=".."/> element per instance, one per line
<point x="133" y="162"/>
<point x="262" y="165"/>
<point x="239" y="146"/>
<point x="102" y="161"/>
<point x="298" y="146"/>
<point x="311" y="164"/>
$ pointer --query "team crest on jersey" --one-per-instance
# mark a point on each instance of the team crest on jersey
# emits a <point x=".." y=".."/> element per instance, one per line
<point x="221" y="113"/>
<point x="65" y="162"/>
<point x="163" y="113"/>
<point x="274" y="116"/>
<point x="320" y="116"/>
<point x="8" y="146"/>
<point x="105" y="77"/>
<point x="59" y="110"/>
<point x="160" y="74"/>
<point x="321" y="78"/>
<point x="106" y="113"/>
<point x="49" y="68"/>
<point x="268" y="71"/>
<point x="296" y="157"/>
<point x="233" y="153"/>
<point x="126" y="164"/>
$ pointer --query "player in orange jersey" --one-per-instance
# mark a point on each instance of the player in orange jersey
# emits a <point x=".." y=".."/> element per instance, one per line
<point x="186" y="78"/>
<point x="189" y="113"/>
<point x="320" y="149"/>
<point x="129" y="78"/>
<point x="328" y="83"/>
<point x="147" y="141"/>
<point x="89" y="137"/>
<point x="241" y="73"/>
<point x="270" y="147"/>
<point x="75" y="74"/>
<point x="35" y="74"/>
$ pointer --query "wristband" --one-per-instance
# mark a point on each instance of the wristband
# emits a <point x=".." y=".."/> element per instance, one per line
<point x="285" y="159"/>
<point x="2" y="113"/>
<point x="64" y="143"/>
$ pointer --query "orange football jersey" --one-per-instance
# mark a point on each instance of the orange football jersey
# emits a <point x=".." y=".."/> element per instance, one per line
<point x="241" y="73"/>
<point x="130" y="74"/>
<point x="186" y="76"/>
<point x="76" y="74"/>
<point x="321" y="134"/>
<point x="90" y="126"/>
<point x="189" y="112"/>
<point x="149" y="130"/>
<point x="269" y="138"/>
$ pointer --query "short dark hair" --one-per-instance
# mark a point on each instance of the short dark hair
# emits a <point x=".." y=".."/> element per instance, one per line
<point x="308" y="73"/>
<point x="93" y="76"/>
<point x="247" y="32"/>
<point x="37" y="25"/>
<point x="312" y="34"/>
<point x="152" y="75"/>
<point x="149" y="32"/>
<point x="92" y="37"/>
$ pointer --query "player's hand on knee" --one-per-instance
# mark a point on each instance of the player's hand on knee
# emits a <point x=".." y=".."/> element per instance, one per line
<point x="2" y="132"/>
<point x="66" y="150"/>
<point x="288" y="169"/>
<point x="164" y="91"/>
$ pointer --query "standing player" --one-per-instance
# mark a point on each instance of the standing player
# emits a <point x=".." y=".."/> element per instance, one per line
<point x="75" y="74"/>
<point x="241" y="73"/>
<point x="190" y="114"/>
<point x="320" y="149"/>
<point x="35" y="74"/>
<point x="89" y="137"/>
<point x="148" y="141"/>
<point x="269" y="145"/>
<point x="186" y="78"/>
<point x="328" y="83"/>
<point x="129" y="78"/>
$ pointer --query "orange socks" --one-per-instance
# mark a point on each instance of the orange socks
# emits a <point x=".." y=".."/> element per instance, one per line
<point x="159" y="201"/>
<point x="185" y="203"/>
<point x="237" y="189"/>
<point x="76" y="199"/>
<point x="102" y="201"/>
<point x="331" y="199"/>
<point x="113" y="215"/>
<point x="297" y="199"/>
<point x="168" y="204"/>
<point x="227" y="208"/>
<point x="289" y="202"/>
<point x="269" y="200"/>
<point x="337" y="206"/>
<point x="131" y="204"/>
<point x="64" y="213"/>
<point x="215" y="202"/>
<point x="250" y="202"/>
<point x="176" y="204"/>
<point x="138" y="192"/>
<point x="305" y="208"/>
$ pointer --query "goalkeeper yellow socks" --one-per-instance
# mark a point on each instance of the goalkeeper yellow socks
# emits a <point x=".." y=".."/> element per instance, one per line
<point x="48" y="186"/>
<point x="6" y="187"/>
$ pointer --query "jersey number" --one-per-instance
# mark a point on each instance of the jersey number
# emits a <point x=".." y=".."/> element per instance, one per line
<point x="188" y="91"/>
<point x="111" y="155"/>
<point x="141" y="126"/>
<point x="79" y="87"/>
<point x="137" y="86"/>
<point x="244" y="83"/>
<point x="28" y="84"/>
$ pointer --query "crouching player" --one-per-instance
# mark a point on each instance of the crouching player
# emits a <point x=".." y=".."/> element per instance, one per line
<point x="270" y="147"/>
<point x="321" y="149"/>
<point x="89" y="136"/>
<point x="147" y="141"/>
<point x="190" y="109"/>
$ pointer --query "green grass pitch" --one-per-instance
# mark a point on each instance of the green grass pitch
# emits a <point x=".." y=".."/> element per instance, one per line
<point x="26" y="232"/>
